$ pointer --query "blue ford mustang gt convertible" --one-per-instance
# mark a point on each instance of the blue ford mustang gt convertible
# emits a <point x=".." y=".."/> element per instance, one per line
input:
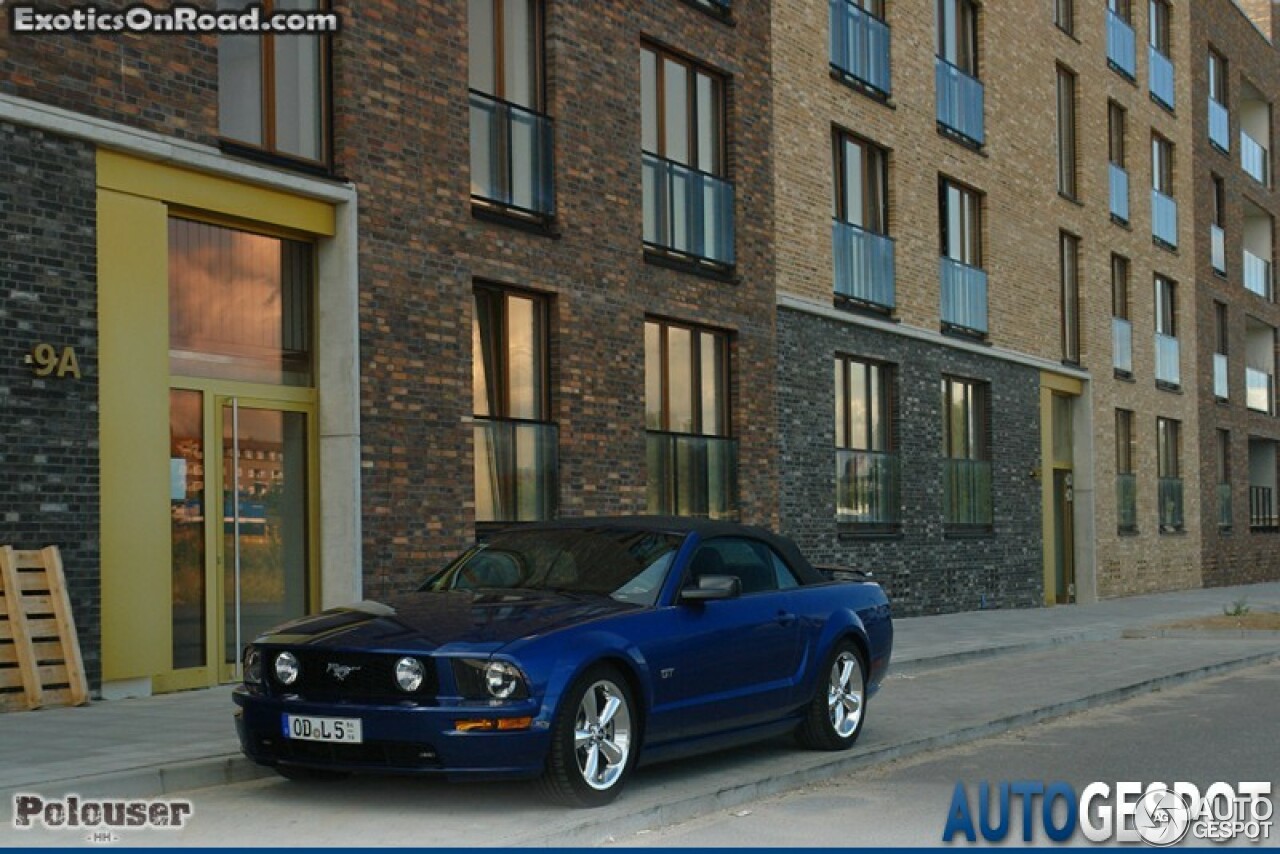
<point x="570" y="651"/>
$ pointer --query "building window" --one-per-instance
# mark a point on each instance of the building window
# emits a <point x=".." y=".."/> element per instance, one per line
<point x="688" y="204"/>
<point x="963" y="281"/>
<point x="1161" y="165"/>
<point x="957" y="28"/>
<point x="1218" y="227"/>
<point x="1224" y="478"/>
<point x="860" y="40"/>
<point x="960" y="94"/>
<point x="864" y="256"/>
<point x="1069" y="267"/>
<point x="1126" y="479"/>
<point x="1121" y="324"/>
<point x="273" y="90"/>
<point x="1217" y="77"/>
<point x="1169" y="473"/>
<point x="1117" y="168"/>
<point x="1164" y="209"/>
<point x="966" y="448"/>
<point x="867" y="468"/>
<point x="1168" y="354"/>
<point x="516" y="462"/>
<point x="961" y="223"/>
<point x="1221" y="386"/>
<point x="692" y="459"/>
<point x="1064" y="15"/>
<point x="1166" y="292"/>
<point x="1066" y="133"/>
<point x="1159" y="26"/>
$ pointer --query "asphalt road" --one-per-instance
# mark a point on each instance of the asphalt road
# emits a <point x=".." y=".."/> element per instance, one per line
<point x="1225" y="729"/>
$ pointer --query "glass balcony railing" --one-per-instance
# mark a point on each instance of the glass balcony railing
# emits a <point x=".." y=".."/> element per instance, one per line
<point x="1121" y="50"/>
<point x="1221" y="385"/>
<point x="966" y="492"/>
<point x="1127" y="502"/>
<point x="1257" y="274"/>
<point x="864" y="270"/>
<point x="687" y="211"/>
<point x="516" y="467"/>
<point x="1168" y="356"/>
<point x="1119" y="192"/>
<point x="511" y="160"/>
<point x="692" y="475"/>
<point x="1160" y="79"/>
<point x="1218" y="248"/>
<point x="860" y="45"/>
<point x="1260" y="390"/>
<point x="867" y="487"/>
<point x="1219" y="125"/>
<point x="1255" y="159"/>
<point x="1164" y="219"/>
<point x="964" y="296"/>
<point x="1262" y="507"/>
<point x="1169" y="498"/>
<point x="960" y="101"/>
<point x="1224" y="505"/>
<point x="1122" y="345"/>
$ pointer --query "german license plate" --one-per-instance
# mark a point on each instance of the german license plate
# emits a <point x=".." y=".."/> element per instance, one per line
<point x="309" y="728"/>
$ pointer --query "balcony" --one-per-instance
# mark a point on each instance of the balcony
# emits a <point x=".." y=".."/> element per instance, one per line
<point x="1219" y="126"/>
<point x="1255" y="159"/>
<point x="960" y="102"/>
<point x="1169" y="499"/>
<point x="1168" y="356"/>
<point x="1224" y="505"/>
<point x="1257" y="275"/>
<point x="1221" y="387"/>
<point x="1160" y="79"/>
<point x="1218" y="249"/>
<point x="1127" y="502"/>
<point x="1262" y="508"/>
<point x="966" y="492"/>
<point x="1122" y="346"/>
<point x="516" y="467"/>
<point x="867" y="487"/>
<point x="964" y="296"/>
<point x="860" y="45"/>
<point x="511" y="161"/>
<point x="864" y="271"/>
<point x="1121" y="52"/>
<point x="692" y="475"/>
<point x="1119" y="193"/>
<point x="687" y="211"/>
<point x="1164" y="219"/>
<point x="1260" y="390"/>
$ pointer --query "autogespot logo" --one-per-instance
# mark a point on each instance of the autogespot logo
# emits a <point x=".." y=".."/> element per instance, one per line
<point x="1156" y="814"/>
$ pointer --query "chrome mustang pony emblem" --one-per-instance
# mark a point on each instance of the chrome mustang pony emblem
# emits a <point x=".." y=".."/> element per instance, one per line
<point x="341" y="671"/>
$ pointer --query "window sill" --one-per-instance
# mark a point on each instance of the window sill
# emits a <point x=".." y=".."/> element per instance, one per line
<point x="866" y="309"/>
<point x="687" y="264"/>
<point x="1166" y="246"/>
<point x="723" y="14"/>
<point x="1067" y="197"/>
<point x="270" y="158"/>
<point x="1222" y="401"/>
<point x="961" y="140"/>
<point x="1221" y="274"/>
<point x="966" y="333"/>
<point x="868" y="531"/>
<point x="1172" y="532"/>
<point x="862" y="87"/>
<point x="490" y="212"/>
<point x="1124" y="75"/>
<point x="1161" y="104"/>
<point x="1128" y="532"/>
<point x="1116" y="219"/>
<point x="1172" y="388"/>
<point x="1123" y="376"/>
<point x="956" y="531"/>
<point x="1264" y="529"/>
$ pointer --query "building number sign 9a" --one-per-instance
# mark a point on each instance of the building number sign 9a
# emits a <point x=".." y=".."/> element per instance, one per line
<point x="48" y="361"/>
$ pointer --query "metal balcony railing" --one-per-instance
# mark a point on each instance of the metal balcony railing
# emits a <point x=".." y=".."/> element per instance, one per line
<point x="1164" y="219"/>
<point x="1168" y="357"/>
<point x="1257" y="274"/>
<point x="1262" y="508"/>
<point x="1122" y="345"/>
<point x="1219" y="125"/>
<point x="860" y="45"/>
<point x="1255" y="159"/>
<point x="511" y="156"/>
<point x="966" y="492"/>
<point x="1260" y="388"/>
<point x="1119" y="192"/>
<point x="1224" y="505"/>
<point x="517" y="470"/>
<point x="1218" y="248"/>
<point x="1127" y="502"/>
<point x="692" y="475"/>
<point x="960" y="101"/>
<point x="1169" y="498"/>
<point x="1221" y="385"/>
<point x="1160" y="79"/>
<point x="864" y="268"/>
<point x="1121" y="51"/>
<point x="867" y="487"/>
<point x="687" y="211"/>
<point x="964" y="296"/>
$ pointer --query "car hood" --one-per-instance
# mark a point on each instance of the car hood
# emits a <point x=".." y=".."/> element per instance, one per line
<point x="430" y="620"/>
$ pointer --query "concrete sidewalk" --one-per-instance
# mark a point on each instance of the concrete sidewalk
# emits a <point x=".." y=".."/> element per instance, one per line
<point x="955" y="678"/>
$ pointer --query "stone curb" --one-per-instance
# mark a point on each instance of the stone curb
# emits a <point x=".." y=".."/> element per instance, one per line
<point x="938" y="662"/>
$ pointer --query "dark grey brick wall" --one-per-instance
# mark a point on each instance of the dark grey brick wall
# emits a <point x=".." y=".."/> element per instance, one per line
<point x="924" y="570"/>
<point x="49" y="427"/>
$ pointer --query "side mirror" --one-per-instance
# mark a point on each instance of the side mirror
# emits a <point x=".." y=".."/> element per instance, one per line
<point x="711" y="587"/>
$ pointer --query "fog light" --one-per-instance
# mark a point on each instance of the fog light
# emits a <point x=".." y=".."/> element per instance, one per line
<point x="287" y="668"/>
<point x="409" y="674"/>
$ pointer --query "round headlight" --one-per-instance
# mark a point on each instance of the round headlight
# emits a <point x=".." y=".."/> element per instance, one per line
<point x="287" y="668"/>
<point x="252" y="666"/>
<point x="409" y="673"/>
<point x="501" y="679"/>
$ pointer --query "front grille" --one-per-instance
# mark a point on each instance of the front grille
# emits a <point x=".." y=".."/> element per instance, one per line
<point x="383" y="754"/>
<point x="369" y="677"/>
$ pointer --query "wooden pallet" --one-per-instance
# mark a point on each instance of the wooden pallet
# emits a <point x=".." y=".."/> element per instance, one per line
<point x="40" y="662"/>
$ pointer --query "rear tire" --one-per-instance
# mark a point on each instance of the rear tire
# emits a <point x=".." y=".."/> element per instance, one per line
<point x="594" y="740"/>
<point x="299" y="774"/>
<point x="837" y="711"/>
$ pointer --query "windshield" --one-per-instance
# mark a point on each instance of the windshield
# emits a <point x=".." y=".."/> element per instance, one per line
<point x="626" y="565"/>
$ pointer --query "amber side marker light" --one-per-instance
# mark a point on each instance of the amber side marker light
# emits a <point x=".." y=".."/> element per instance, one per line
<point x="488" y="724"/>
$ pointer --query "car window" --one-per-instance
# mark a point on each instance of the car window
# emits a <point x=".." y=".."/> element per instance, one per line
<point x="747" y="560"/>
<point x="786" y="578"/>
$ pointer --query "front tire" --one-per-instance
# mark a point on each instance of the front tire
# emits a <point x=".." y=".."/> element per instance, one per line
<point x="837" y="711"/>
<point x="594" y="740"/>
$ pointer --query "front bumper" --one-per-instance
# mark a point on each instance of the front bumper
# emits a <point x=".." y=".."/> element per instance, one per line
<point x="397" y="739"/>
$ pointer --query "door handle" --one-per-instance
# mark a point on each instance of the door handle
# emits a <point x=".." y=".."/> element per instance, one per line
<point x="785" y="618"/>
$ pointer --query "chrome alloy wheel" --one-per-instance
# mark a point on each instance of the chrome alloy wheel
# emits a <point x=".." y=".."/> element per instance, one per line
<point x="844" y="694"/>
<point x="602" y="735"/>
